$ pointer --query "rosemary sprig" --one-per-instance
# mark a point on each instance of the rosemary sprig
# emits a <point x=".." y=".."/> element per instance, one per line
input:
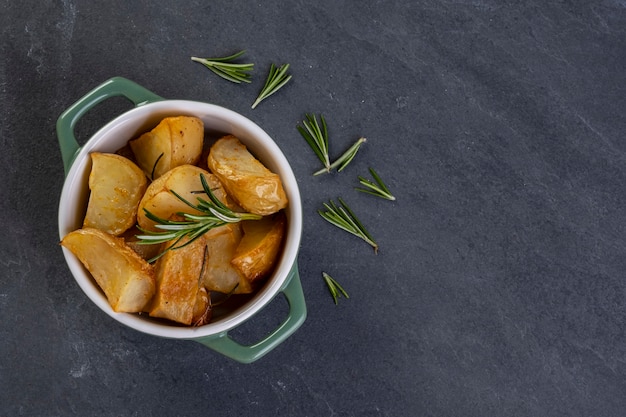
<point x="225" y="68"/>
<point x="276" y="79"/>
<point x="345" y="158"/>
<point x="378" y="189"/>
<point x="336" y="290"/>
<point x="183" y="232"/>
<point x="344" y="218"/>
<point x="317" y="138"/>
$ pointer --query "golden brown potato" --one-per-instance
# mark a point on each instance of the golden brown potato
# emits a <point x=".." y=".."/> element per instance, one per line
<point x="219" y="274"/>
<point x="185" y="180"/>
<point x="259" y="247"/>
<point x="247" y="180"/>
<point x="117" y="185"/>
<point x="173" y="142"/>
<point x="126" y="279"/>
<point x="177" y="283"/>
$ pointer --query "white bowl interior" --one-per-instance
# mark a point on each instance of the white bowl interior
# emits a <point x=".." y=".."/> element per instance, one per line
<point x="217" y="120"/>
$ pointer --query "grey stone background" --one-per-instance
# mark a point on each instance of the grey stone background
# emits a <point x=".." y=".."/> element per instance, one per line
<point x="499" y="287"/>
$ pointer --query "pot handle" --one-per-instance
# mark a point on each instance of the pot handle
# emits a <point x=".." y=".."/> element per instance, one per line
<point x="225" y="345"/>
<point x="114" y="87"/>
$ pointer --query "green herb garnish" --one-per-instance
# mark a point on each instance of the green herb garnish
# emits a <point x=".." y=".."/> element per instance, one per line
<point x="336" y="290"/>
<point x="225" y="68"/>
<point x="316" y="136"/>
<point x="183" y="232"/>
<point x="155" y="165"/>
<point x="344" y="218"/>
<point x="276" y="79"/>
<point x="378" y="189"/>
<point x="345" y="158"/>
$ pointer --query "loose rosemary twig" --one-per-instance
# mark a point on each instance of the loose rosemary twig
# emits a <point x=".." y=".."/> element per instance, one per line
<point x="276" y="79"/>
<point x="345" y="158"/>
<point x="336" y="290"/>
<point x="344" y="218"/>
<point x="378" y="189"/>
<point x="225" y="68"/>
<point x="214" y="214"/>
<point x="317" y="138"/>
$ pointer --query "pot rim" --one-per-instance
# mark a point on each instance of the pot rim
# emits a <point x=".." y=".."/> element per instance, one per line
<point x="228" y="121"/>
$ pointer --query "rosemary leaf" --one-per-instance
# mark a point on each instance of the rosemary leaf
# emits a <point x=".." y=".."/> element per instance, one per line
<point x="344" y="218"/>
<point x="378" y="189"/>
<point x="276" y="79"/>
<point x="336" y="290"/>
<point x="213" y="214"/>
<point x="345" y="158"/>
<point x="317" y="138"/>
<point x="225" y="68"/>
<point x="155" y="165"/>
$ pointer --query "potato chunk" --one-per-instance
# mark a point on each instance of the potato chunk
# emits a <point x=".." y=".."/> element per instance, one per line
<point x="117" y="185"/>
<point x="185" y="180"/>
<point x="177" y="283"/>
<point x="219" y="274"/>
<point x="126" y="279"/>
<point x="246" y="179"/>
<point x="258" y="250"/>
<point x="173" y="142"/>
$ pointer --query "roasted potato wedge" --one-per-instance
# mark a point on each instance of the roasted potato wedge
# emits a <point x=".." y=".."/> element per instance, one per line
<point x="126" y="279"/>
<point x="117" y="185"/>
<point x="185" y="180"/>
<point x="219" y="274"/>
<point x="260" y="245"/>
<point x="173" y="142"/>
<point x="246" y="179"/>
<point x="177" y="283"/>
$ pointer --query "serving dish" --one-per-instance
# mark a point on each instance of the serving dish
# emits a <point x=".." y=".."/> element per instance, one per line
<point x="148" y="110"/>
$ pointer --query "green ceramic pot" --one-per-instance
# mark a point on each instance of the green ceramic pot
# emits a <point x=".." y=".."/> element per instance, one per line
<point x="148" y="110"/>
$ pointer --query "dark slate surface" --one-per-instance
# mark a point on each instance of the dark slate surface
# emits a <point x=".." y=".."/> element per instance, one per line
<point x="499" y="287"/>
